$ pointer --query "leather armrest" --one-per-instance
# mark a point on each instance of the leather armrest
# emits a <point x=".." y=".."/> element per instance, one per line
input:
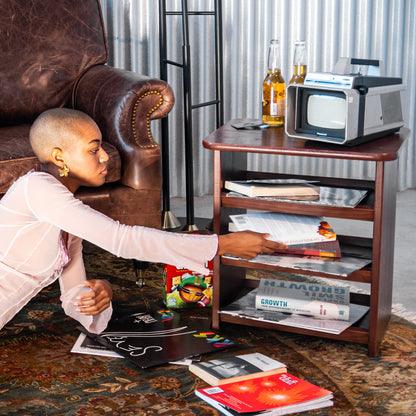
<point x="123" y="103"/>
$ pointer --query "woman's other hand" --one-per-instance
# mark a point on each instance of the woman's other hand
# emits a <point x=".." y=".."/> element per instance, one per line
<point x="97" y="299"/>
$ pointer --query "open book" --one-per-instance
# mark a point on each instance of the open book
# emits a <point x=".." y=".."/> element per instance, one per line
<point x="286" y="228"/>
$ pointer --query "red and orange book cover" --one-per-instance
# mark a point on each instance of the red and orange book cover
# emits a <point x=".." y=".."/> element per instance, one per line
<point x="283" y="391"/>
<point x="323" y="249"/>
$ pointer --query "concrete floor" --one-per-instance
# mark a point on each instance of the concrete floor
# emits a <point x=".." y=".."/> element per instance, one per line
<point x="404" y="303"/>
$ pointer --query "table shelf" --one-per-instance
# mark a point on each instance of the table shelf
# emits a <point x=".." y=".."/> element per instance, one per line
<point x="360" y="212"/>
<point x="363" y="275"/>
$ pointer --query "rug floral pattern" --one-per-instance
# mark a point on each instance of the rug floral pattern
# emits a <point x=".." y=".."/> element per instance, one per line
<point x="40" y="376"/>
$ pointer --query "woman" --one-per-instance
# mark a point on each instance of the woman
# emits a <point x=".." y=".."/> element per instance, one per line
<point x="42" y="226"/>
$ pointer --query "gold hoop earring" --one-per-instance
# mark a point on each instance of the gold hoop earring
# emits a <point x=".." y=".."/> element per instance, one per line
<point x="63" y="171"/>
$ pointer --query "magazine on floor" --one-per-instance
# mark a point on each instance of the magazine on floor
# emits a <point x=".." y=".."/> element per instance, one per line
<point x="153" y="338"/>
<point x="245" y="307"/>
<point x="272" y="395"/>
<point x="87" y="345"/>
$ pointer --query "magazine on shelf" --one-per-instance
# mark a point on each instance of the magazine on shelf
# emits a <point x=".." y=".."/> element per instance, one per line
<point x="286" y="228"/>
<point x="311" y="299"/>
<point x="236" y="368"/>
<point x="337" y="267"/>
<point x="328" y="196"/>
<point x="330" y="249"/>
<point x="288" y="188"/>
<point x="244" y="307"/>
<point x="274" y="395"/>
<point x="153" y="338"/>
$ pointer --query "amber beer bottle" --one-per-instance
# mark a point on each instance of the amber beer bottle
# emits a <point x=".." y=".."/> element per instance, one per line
<point x="274" y="88"/>
<point x="299" y="63"/>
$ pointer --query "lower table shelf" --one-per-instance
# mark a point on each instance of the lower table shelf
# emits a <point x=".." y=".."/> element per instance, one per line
<point x="237" y="282"/>
<point x="351" y="334"/>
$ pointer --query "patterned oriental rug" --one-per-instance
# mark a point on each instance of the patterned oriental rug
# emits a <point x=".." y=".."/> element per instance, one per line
<point x="40" y="376"/>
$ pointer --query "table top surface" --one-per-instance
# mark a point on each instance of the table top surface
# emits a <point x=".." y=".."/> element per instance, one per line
<point x="273" y="140"/>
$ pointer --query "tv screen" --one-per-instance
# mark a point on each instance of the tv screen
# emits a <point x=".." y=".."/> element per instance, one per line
<point x="326" y="111"/>
<point x="321" y="113"/>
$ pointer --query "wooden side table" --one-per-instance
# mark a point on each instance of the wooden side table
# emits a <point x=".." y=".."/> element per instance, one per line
<point x="231" y="146"/>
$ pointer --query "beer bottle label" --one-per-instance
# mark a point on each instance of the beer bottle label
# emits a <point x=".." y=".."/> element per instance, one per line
<point x="277" y="99"/>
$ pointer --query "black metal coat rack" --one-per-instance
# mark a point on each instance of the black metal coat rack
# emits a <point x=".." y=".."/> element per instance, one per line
<point x="169" y="220"/>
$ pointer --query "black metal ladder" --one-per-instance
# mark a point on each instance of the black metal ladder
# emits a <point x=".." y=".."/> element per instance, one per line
<point x="168" y="219"/>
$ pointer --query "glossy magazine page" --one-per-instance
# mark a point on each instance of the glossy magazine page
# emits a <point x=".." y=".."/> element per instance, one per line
<point x="153" y="338"/>
<point x="283" y="392"/>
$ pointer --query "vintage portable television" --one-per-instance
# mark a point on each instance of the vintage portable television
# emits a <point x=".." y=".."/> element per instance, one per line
<point x="345" y="108"/>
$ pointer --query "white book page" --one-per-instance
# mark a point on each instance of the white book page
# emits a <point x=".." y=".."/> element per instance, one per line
<point x="285" y="228"/>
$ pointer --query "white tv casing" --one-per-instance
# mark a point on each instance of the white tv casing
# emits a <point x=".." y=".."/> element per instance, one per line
<point x="382" y="107"/>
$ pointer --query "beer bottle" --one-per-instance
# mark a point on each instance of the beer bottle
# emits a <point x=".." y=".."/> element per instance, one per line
<point x="299" y="63"/>
<point x="274" y="88"/>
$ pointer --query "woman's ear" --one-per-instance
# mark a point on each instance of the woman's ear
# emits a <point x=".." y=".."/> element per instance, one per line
<point x="57" y="157"/>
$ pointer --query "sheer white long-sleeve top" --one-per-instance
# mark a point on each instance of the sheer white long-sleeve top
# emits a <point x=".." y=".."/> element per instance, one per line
<point x="36" y="211"/>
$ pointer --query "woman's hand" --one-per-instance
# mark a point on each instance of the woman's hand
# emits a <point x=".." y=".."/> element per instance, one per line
<point x="97" y="299"/>
<point x="246" y="244"/>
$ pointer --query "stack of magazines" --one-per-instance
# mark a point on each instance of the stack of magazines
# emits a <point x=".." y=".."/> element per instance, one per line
<point x="311" y="299"/>
<point x="272" y="395"/>
<point x="296" y="191"/>
<point x="300" y="313"/>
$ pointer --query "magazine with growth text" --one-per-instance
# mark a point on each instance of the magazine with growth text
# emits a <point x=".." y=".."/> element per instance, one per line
<point x="312" y="299"/>
<point x="244" y="307"/>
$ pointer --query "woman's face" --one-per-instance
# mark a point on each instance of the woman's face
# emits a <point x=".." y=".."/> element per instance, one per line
<point x="85" y="158"/>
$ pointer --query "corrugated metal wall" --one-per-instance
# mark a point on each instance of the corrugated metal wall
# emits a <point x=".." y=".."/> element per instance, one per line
<point x="376" y="29"/>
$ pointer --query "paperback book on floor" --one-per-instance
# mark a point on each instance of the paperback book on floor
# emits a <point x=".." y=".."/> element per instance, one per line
<point x="236" y="368"/>
<point x="163" y="336"/>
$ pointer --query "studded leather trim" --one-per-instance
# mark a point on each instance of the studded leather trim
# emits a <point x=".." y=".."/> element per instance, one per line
<point x="151" y="110"/>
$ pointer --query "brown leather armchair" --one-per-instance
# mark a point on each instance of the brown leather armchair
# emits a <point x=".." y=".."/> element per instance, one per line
<point x="54" y="54"/>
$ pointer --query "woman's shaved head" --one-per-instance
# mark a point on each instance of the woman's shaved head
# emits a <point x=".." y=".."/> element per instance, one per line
<point x="56" y="128"/>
